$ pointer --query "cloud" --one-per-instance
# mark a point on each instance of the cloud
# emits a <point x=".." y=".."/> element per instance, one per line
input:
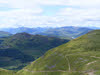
<point x="19" y="3"/>
<point x="16" y="18"/>
<point x="85" y="3"/>
<point x="30" y="13"/>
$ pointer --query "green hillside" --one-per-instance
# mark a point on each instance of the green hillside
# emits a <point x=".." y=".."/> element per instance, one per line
<point x="4" y="35"/>
<point x="6" y="72"/>
<point x="22" y="48"/>
<point x="80" y="56"/>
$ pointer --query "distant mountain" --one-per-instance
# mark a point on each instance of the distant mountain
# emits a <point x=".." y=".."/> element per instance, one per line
<point x="22" y="48"/>
<point x="95" y="28"/>
<point x="68" y="32"/>
<point x="80" y="56"/>
<point x="4" y="34"/>
<point x="24" y="29"/>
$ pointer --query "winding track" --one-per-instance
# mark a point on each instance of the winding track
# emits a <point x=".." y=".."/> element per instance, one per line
<point x="89" y="73"/>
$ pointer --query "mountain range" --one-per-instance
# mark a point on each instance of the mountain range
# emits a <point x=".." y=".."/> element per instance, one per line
<point x="68" y="32"/>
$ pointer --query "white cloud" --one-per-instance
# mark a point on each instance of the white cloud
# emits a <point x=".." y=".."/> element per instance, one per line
<point x="19" y="3"/>
<point x="85" y="3"/>
<point x="53" y="2"/>
<point x="29" y="13"/>
<point x="32" y="3"/>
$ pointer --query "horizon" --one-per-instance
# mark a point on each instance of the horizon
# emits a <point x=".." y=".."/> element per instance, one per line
<point x="49" y="13"/>
<point x="49" y="37"/>
<point x="91" y="27"/>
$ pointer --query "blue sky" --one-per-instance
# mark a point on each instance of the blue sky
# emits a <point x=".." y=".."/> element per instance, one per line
<point x="51" y="10"/>
<point x="49" y="13"/>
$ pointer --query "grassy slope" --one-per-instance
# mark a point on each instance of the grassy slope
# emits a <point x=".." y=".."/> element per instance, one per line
<point x="6" y="72"/>
<point x="81" y="55"/>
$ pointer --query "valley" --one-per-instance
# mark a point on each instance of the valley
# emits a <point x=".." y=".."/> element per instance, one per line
<point x="49" y="37"/>
<point x="67" y="32"/>
<point x="79" y="56"/>
<point x="22" y="48"/>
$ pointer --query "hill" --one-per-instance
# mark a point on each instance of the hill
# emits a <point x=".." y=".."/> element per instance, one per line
<point x="4" y="34"/>
<point x="22" y="48"/>
<point x="80" y="56"/>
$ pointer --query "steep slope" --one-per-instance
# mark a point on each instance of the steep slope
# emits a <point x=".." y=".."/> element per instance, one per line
<point x="22" y="48"/>
<point x="80" y="56"/>
<point x="4" y="34"/>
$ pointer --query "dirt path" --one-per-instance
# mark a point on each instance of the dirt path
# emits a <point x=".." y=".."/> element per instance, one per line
<point x="91" y="62"/>
<point x="46" y="71"/>
<point x="68" y="63"/>
<point x="41" y="71"/>
<point x="52" y="71"/>
<point x="95" y="57"/>
<point x="91" y="73"/>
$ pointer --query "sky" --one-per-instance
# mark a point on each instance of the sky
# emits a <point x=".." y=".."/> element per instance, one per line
<point x="49" y="13"/>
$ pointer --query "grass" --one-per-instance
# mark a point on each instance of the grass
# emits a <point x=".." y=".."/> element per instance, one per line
<point x="6" y="72"/>
<point x="80" y="55"/>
